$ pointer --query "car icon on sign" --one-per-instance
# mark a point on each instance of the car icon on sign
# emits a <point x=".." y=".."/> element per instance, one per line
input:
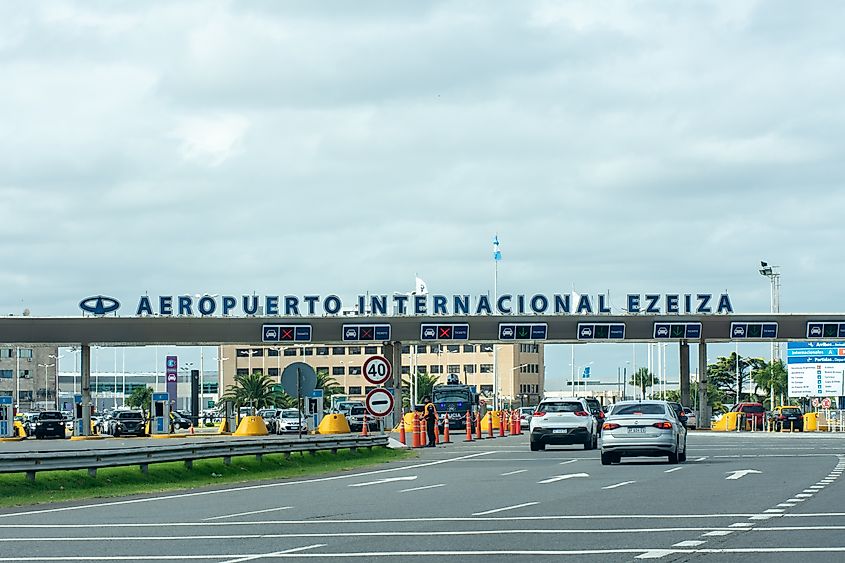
<point x="662" y="331"/>
<point x="270" y="333"/>
<point x="507" y="332"/>
<point x="739" y="331"/>
<point x="429" y="333"/>
<point x="586" y="331"/>
<point x="350" y="333"/>
<point x="816" y="331"/>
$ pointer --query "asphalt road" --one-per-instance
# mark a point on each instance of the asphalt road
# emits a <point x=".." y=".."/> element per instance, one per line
<point x="490" y="500"/>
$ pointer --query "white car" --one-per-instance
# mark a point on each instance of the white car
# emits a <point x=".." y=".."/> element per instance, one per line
<point x="692" y="418"/>
<point x="563" y="421"/>
<point x="643" y="428"/>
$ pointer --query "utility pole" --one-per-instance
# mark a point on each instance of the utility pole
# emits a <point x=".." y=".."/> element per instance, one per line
<point x="773" y="273"/>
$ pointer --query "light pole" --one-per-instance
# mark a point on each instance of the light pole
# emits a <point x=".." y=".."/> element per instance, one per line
<point x="220" y="361"/>
<point x="513" y="369"/>
<point x="56" y="358"/>
<point x="773" y="273"/>
<point x="46" y="390"/>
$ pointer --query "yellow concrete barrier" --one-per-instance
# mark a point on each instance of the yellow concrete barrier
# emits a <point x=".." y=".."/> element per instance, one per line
<point x="496" y="421"/>
<point x="333" y="424"/>
<point x="251" y="426"/>
<point x="811" y="422"/>
<point x="726" y="423"/>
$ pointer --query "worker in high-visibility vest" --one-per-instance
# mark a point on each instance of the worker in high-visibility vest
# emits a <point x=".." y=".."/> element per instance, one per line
<point x="430" y="417"/>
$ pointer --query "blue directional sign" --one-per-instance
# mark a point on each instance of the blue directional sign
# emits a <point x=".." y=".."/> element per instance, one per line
<point x="601" y="331"/>
<point x="523" y="331"/>
<point x="444" y="331"/>
<point x="5" y="400"/>
<point x="286" y="333"/>
<point x="586" y="374"/>
<point x="161" y="397"/>
<point x="356" y="333"/>
<point x="680" y="331"/>
<point x="762" y="330"/>
<point x="825" y="330"/>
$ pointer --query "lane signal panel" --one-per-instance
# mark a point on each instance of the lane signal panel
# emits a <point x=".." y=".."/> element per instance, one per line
<point x="366" y="333"/>
<point x="449" y="331"/>
<point x="821" y="329"/>
<point x="754" y="330"/>
<point x="523" y="331"/>
<point x="601" y="331"/>
<point x="286" y="333"/>
<point x="666" y="331"/>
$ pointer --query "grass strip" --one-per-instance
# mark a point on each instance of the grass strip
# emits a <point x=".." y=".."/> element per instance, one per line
<point x="56" y="486"/>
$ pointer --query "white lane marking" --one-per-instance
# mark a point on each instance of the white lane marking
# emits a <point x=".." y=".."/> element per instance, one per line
<point x="739" y="474"/>
<point x="423" y="488"/>
<point x="688" y="543"/>
<point x="787" y="504"/>
<point x="245" y="513"/>
<point x="57" y="526"/>
<point x="740" y="525"/>
<point x="622" y="484"/>
<point x="774" y="510"/>
<point x="567" y="462"/>
<point x="655" y="554"/>
<point x="818" y="487"/>
<point x="562" y="477"/>
<point x="383" y="481"/>
<point x="763" y="516"/>
<point x="673" y="469"/>
<point x="274" y="553"/>
<point x="495" y="510"/>
<point x="701" y="458"/>
<point x="717" y="533"/>
<point x="242" y="488"/>
<point x="804" y="495"/>
<point x="514" y="472"/>
<point x="795" y="500"/>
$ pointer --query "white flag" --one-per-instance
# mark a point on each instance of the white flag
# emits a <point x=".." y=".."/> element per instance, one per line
<point x="422" y="288"/>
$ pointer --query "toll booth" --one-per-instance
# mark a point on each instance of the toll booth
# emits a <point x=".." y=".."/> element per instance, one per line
<point x="160" y="414"/>
<point x="314" y="409"/>
<point x="78" y="419"/>
<point x="229" y="416"/>
<point x="7" y="417"/>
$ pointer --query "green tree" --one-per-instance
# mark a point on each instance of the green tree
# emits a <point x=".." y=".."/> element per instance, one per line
<point x="330" y="387"/>
<point x="425" y="383"/>
<point x="256" y="390"/>
<point x="140" y="398"/>
<point x="727" y="372"/>
<point x="642" y="378"/>
<point x="769" y="375"/>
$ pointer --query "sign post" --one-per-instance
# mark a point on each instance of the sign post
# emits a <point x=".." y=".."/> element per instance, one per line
<point x="172" y="373"/>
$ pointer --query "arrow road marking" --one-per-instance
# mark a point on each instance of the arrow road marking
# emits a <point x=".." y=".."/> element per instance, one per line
<point x="385" y="480"/>
<point x="734" y="475"/>
<point x="562" y="477"/>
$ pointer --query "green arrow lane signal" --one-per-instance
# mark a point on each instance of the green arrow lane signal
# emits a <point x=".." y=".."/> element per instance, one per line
<point x="522" y="332"/>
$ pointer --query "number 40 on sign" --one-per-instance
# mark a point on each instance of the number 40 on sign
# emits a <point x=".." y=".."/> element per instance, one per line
<point x="377" y="370"/>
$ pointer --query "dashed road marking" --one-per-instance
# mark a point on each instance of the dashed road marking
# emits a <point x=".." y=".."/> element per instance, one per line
<point x="247" y="513"/>
<point x="622" y="484"/>
<point x="562" y="477"/>
<point x="495" y="510"/>
<point x="688" y="543"/>
<point x="423" y="488"/>
<point x="717" y="533"/>
<point x="673" y="469"/>
<point x="513" y="472"/>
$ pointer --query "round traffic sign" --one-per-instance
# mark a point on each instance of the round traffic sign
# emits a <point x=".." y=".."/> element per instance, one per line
<point x="379" y="402"/>
<point x="816" y="402"/>
<point x="826" y="403"/>
<point x="377" y="370"/>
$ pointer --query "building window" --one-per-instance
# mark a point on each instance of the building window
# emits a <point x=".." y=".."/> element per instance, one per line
<point x="469" y="368"/>
<point x="436" y="369"/>
<point x="25" y="374"/>
<point x="338" y="370"/>
<point x="422" y="369"/>
<point x="6" y="373"/>
<point x="25" y="396"/>
<point x="5" y="353"/>
<point x="354" y="390"/>
<point x="273" y="372"/>
<point x="207" y="388"/>
<point x="25" y="353"/>
<point x="369" y="388"/>
<point x="486" y="388"/>
<point x="354" y="370"/>
<point x="272" y="352"/>
<point x="486" y="347"/>
<point x="241" y="371"/>
<point x="323" y="370"/>
<point x="290" y="352"/>
<point x="436" y="348"/>
<point x="405" y="350"/>
<point x="338" y="351"/>
<point x="453" y="348"/>
<point x="406" y="370"/>
<point x="421" y="348"/>
<point x="323" y="351"/>
<point x="469" y="348"/>
<point x="486" y="368"/>
<point x="6" y="394"/>
<point x="308" y="351"/>
<point x="355" y="350"/>
<point x="257" y="371"/>
<point x="453" y="368"/>
<point x="374" y="349"/>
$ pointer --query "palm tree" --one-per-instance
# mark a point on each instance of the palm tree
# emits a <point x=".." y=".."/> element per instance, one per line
<point x="329" y="385"/>
<point x="255" y="390"/>
<point x="425" y="383"/>
<point x="642" y="378"/>
<point x="769" y="376"/>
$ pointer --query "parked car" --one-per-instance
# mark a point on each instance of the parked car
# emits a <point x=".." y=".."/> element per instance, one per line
<point x="692" y="418"/>
<point x="525" y="414"/>
<point x="754" y="413"/>
<point x="596" y="411"/>
<point x="643" y="428"/>
<point x="48" y="423"/>
<point x="789" y="417"/>
<point x="563" y="421"/>
<point x="291" y="420"/>
<point x="126" y="422"/>
<point x="271" y="419"/>
<point x="355" y="418"/>
<point x="179" y="421"/>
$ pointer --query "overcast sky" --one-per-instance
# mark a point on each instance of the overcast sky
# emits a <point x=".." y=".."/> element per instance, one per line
<point x="339" y="147"/>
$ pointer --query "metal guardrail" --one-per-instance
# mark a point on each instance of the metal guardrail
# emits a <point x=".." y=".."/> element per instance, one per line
<point x="202" y="448"/>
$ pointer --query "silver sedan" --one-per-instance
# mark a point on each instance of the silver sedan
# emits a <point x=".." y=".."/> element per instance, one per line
<point x="643" y="428"/>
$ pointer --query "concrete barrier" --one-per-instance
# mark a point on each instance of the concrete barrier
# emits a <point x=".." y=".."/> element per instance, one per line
<point x="251" y="426"/>
<point x="333" y="424"/>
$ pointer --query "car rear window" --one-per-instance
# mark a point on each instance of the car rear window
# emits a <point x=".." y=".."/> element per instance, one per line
<point x="357" y="410"/>
<point x="639" y="409"/>
<point x="753" y="408"/>
<point x="561" y="407"/>
<point x="129" y="416"/>
<point x="50" y="416"/>
<point x="290" y="414"/>
<point x="791" y="412"/>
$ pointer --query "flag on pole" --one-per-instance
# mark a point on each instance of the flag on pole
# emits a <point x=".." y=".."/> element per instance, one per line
<point x="497" y="254"/>
<point x="421" y="287"/>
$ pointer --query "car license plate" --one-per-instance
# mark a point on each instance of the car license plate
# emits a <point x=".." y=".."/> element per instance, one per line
<point x="559" y="431"/>
<point x="636" y="430"/>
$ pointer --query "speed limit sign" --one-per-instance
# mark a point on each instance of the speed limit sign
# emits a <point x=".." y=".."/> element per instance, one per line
<point x="377" y="370"/>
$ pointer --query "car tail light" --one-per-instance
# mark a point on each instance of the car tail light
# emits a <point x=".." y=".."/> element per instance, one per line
<point x="609" y="426"/>
<point x="539" y="413"/>
<point x="663" y="425"/>
<point x="601" y="415"/>
<point x="582" y="413"/>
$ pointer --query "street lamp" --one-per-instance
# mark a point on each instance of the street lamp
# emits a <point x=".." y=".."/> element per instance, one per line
<point x="46" y="391"/>
<point x="513" y="369"/>
<point x="773" y="273"/>
<point x="55" y="357"/>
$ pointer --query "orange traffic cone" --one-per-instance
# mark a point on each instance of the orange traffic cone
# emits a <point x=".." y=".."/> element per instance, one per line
<point x="364" y="429"/>
<point x="402" y="436"/>
<point x="446" y="439"/>
<point x="501" y="424"/>
<point x="490" y="425"/>
<point x="423" y="433"/>
<point x="477" y="426"/>
<point x="468" y="424"/>
<point x="416" y="431"/>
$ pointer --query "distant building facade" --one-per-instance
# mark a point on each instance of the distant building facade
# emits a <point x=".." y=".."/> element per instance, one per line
<point x="28" y="375"/>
